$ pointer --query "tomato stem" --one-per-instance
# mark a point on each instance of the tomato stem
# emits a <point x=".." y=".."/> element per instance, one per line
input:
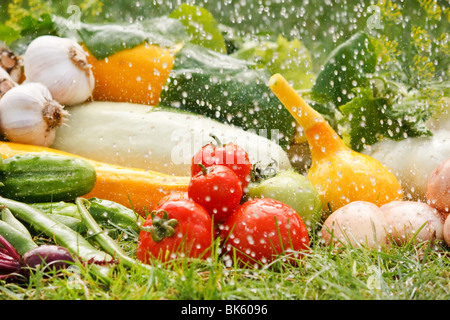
<point x="259" y="173"/>
<point x="204" y="169"/>
<point x="162" y="227"/>
<point x="216" y="138"/>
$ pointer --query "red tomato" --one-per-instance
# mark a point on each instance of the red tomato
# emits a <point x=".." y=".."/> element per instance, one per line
<point x="217" y="189"/>
<point x="253" y="231"/>
<point x="177" y="195"/>
<point x="229" y="155"/>
<point x="178" y="227"/>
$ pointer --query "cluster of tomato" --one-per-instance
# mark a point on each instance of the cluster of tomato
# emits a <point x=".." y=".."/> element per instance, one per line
<point x="215" y="205"/>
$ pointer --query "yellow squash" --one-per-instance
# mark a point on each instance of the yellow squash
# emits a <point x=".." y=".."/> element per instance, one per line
<point x="132" y="75"/>
<point x="340" y="174"/>
<point x="134" y="188"/>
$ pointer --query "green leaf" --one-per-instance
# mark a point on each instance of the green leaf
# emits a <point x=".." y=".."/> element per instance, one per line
<point x="369" y="118"/>
<point x="36" y="27"/>
<point x="348" y="66"/>
<point x="201" y="27"/>
<point x="8" y="35"/>
<point x="226" y="89"/>
<point x="31" y="28"/>
<point x="105" y="40"/>
<point x="289" y="58"/>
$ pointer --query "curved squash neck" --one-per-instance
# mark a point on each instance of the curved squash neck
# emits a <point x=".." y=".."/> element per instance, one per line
<point x="322" y="139"/>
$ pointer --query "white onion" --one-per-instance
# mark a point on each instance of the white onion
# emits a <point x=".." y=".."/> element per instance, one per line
<point x="408" y="219"/>
<point x="359" y="223"/>
<point x="446" y="230"/>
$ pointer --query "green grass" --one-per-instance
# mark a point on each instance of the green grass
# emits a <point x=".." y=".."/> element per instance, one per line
<point x="420" y="272"/>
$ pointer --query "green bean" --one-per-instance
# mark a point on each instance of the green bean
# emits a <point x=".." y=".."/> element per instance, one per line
<point x="106" y="212"/>
<point x="106" y="242"/>
<point x="61" y="234"/>
<point x="9" y="218"/>
<point x="59" y="207"/>
<point x="64" y="212"/>
<point x="20" y="241"/>
<point x="73" y="223"/>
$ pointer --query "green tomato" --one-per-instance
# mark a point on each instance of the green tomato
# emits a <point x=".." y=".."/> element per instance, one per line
<point x="293" y="189"/>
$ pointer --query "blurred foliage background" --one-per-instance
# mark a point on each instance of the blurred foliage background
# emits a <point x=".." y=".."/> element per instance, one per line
<point x="409" y="42"/>
<point x="320" y="24"/>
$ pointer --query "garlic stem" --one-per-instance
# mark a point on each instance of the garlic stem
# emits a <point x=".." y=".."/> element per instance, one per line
<point x="53" y="114"/>
<point x="79" y="60"/>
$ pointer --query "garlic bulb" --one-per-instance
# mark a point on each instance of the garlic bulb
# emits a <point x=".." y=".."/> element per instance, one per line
<point x="29" y="115"/>
<point x="61" y="65"/>
<point x="6" y="82"/>
<point x="11" y="63"/>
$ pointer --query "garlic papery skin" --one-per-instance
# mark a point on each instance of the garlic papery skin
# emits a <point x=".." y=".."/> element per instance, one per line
<point x="6" y="82"/>
<point x="61" y="65"/>
<point x="11" y="63"/>
<point x="29" y="115"/>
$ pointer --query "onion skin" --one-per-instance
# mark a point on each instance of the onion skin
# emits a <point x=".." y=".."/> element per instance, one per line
<point x="50" y="256"/>
<point x="438" y="187"/>
<point x="9" y="260"/>
<point x="359" y="223"/>
<point x="446" y="230"/>
<point x="406" y="218"/>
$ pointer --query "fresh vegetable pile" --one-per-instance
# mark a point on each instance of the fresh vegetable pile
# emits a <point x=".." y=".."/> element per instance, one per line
<point x="190" y="143"/>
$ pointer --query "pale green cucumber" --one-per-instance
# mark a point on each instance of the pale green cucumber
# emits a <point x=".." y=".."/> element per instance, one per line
<point x="154" y="138"/>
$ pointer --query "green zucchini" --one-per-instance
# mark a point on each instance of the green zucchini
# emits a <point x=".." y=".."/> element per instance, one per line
<point x="154" y="138"/>
<point x="45" y="177"/>
<point x="228" y="89"/>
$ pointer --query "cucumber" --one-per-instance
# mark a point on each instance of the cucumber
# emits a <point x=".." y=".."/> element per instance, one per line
<point x="45" y="177"/>
<point x="154" y="138"/>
